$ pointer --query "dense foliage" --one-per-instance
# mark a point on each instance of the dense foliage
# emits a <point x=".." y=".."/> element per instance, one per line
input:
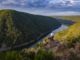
<point x="57" y="53"/>
<point x="71" y="35"/>
<point x="17" y="27"/>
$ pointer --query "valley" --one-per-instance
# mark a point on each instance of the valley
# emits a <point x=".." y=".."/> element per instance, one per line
<point x="25" y="36"/>
<point x="19" y="28"/>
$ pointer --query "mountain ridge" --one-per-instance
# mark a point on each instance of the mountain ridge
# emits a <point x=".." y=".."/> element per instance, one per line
<point x="17" y="27"/>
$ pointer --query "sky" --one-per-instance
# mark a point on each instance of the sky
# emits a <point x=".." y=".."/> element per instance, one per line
<point x="43" y="7"/>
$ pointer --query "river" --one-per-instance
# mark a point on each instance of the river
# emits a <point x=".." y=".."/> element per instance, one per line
<point x="63" y="27"/>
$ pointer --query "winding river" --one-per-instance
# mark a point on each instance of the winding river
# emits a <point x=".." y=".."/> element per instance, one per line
<point x="63" y="27"/>
<point x="51" y="34"/>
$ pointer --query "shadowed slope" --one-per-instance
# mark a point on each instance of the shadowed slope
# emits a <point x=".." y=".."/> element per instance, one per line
<point x="17" y="28"/>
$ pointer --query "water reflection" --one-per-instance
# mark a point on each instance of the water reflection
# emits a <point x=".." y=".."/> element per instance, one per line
<point x="63" y="27"/>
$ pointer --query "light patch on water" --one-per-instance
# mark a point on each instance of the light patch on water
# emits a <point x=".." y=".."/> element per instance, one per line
<point x="63" y="27"/>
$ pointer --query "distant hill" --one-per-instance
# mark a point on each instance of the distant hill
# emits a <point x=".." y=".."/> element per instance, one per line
<point x="18" y="28"/>
<point x="74" y="18"/>
<point x="71" y="35"/>
<point x="67" y="20"/>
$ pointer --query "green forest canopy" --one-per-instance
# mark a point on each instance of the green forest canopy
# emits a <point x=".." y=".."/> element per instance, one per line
<point x="18" y="27"/>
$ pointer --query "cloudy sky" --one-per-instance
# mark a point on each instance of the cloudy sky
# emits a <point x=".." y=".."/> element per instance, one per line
<point x="43" y="7"/>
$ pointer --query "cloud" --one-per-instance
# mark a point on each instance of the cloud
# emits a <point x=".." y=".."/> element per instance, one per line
<point x="57" y="13"/>
<point x="8" y="2"/>
<point x="30" y="3"/>
<point x="40" y="3"/>
<point x="13" y="2"/>
<point x="43" y="5"/>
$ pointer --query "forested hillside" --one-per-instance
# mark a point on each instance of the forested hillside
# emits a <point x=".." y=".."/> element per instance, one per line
<point x="71" y="35"/>
<point x="18" y="27"/>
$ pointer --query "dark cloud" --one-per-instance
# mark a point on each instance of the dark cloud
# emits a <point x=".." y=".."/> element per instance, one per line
<point x="50" y="5"/>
